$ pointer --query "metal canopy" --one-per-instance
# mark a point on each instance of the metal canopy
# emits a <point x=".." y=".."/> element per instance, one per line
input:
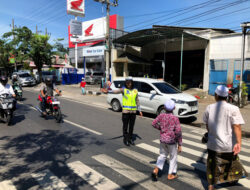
<point x="142" y="37"/>
<point x="128" y="58"/>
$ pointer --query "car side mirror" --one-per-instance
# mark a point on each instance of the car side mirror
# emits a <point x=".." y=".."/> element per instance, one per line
<point x="153" y="92"/>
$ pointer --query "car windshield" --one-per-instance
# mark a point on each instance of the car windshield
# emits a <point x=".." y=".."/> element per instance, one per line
<point x="98" y="74"/>
<point x="88" y="73"/>
<point x="24" y="75"/>
<point x="166" y="88"/>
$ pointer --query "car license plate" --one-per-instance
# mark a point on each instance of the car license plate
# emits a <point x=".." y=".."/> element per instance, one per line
<point x="19" y="91"/>
<point x="57" y="102"/>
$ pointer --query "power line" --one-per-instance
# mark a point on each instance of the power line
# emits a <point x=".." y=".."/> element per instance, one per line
<point x="179" y="13"/>
<point x="208" y="12"/>
<point x="219" y="16"/>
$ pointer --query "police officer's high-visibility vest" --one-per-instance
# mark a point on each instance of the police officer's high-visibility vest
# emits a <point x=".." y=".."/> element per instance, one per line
<point x="129" y="99"/>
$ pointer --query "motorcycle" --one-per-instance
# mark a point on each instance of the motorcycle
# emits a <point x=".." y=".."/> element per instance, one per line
<point x="18" y="92"/>
<point x="233" y="96"/>
<point x="6" y="108"/>
<point x="52" y="107"/>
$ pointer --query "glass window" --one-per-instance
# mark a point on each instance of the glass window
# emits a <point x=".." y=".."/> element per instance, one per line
<point x="166" y="88"/>
<point x="24" y="75"/>
<point x="119" y="84"/>
<point x="88" y="73"/>
<point x="137" y="85"/>
<point x="98" y="74"/>
<point x="146" y="88"/>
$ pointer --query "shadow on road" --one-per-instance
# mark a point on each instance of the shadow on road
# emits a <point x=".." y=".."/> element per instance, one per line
<point x="35" y="152"/>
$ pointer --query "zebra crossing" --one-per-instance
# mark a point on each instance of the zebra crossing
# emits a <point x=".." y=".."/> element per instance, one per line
<point x="193" y="151"/>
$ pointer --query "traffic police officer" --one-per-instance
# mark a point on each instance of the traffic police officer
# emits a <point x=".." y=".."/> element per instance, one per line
<point x="130" y="104"/>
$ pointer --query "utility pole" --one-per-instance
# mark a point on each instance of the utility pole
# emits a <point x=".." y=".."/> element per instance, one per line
<point x="107" y="37"/>
<point x="107" y="41"/>
<point x="244" y="27"/>
<point x="13" y="27"/>
<point x="46" y="32"/>
<point x="76" y="58"/>
<point x="36" y="30"/>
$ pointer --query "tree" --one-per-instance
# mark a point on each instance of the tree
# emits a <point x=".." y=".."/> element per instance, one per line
<point x="19" y="39"/>
<point x="25" y="45"/>
<point x="5" y="50"/>
<point x="40" y="51"/>
<point x="59" y="48"/>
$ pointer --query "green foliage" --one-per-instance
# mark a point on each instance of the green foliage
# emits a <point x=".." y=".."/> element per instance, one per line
<point x="60" y="50"/>
<point x="26" y="66"/>
<point x="25" y="45"/>
<point x="5" y="50"/>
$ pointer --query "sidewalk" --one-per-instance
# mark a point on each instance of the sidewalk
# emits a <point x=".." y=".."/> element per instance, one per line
<point x="74" y="92"/>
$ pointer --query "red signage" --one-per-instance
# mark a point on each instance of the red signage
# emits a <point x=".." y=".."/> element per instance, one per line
<point x="76" y="4"/>
<point x="88" y="30"/>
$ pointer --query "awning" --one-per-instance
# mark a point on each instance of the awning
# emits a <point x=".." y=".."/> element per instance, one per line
<point x="146" y="36"/>
<point x="58" y="66"/>
<point x="128" y="58"/>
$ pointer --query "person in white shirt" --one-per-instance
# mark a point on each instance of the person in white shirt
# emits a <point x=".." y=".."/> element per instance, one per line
<point x="223" y="122"/>
<point x="6" y="88"/>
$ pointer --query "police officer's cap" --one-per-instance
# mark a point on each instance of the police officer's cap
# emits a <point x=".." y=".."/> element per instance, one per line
<point x="129" y="79"/>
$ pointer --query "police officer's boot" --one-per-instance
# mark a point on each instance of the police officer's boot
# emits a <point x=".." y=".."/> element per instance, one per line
<point x="130" y="141"/>
<point x="125" y="140"/>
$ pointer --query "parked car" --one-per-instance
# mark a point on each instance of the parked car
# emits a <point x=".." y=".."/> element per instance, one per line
<point x="153" y="94"/>
<point x="45" y="74"/>
<point x="49" y="74"/>
<point x="94" y="77"/>
<point x="25" y="79"/>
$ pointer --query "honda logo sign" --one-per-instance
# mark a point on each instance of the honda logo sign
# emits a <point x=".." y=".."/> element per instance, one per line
<point x="76" y="7"/>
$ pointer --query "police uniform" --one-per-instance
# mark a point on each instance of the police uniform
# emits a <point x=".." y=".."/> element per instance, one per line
<point x="129" y="107"/>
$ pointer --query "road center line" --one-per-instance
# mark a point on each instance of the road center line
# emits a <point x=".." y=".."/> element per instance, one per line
<point x="75" y="124"/>
<point x="82" y="127"/>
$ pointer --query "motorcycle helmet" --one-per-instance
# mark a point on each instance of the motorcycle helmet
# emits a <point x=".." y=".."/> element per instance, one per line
<point x="48" y="81"/>
<point x="14" y="77"/>
<point x="4" y="80"/>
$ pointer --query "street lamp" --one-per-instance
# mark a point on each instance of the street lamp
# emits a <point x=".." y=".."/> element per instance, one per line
<point x="244" y="26"/>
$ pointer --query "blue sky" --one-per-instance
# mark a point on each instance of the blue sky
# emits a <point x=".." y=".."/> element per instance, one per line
<point x="138" y="14"/>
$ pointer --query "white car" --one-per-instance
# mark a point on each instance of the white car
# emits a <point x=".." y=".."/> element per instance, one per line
<point x="153" y="94"/>
<point x="24" y="78"/>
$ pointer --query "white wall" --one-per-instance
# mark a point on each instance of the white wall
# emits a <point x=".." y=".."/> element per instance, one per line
<point x="228" y="47"/>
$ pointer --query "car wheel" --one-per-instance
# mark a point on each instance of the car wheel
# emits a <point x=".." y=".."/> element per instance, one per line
<point x="161" y="110"/>
<point x="116" y="106"/>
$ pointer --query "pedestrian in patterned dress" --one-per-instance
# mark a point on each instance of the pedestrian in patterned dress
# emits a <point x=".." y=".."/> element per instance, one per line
<point x="170" y="140"/>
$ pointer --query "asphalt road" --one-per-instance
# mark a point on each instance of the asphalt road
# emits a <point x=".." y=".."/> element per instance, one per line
<point x="86" y="152"/>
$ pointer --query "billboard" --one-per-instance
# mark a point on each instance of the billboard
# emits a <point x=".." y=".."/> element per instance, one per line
<point x="76" y="7"/>
<point x="94" y="31"/>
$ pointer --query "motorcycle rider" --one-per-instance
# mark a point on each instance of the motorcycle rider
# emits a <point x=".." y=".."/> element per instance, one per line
<point x="47" y="89"/>
<point x="15" y="80"/>
<point x="5" y="88"/>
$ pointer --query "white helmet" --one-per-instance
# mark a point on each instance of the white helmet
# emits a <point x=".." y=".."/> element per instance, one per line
<point x="129" y="79"/>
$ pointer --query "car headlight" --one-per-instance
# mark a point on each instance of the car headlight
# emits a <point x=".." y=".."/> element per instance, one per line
<point x="178" y="101"/>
